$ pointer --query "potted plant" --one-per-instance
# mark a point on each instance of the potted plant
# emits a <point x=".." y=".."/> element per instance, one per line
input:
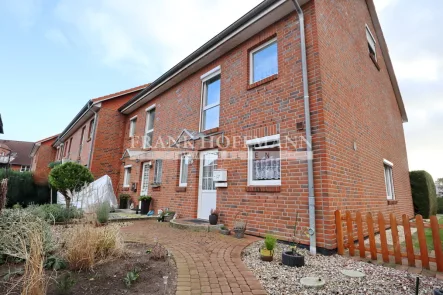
<point x="166" y="216"/>
<point x="155" y="184"/>
<point x="225" y="231"/>
<point x="291" y="257"/>
<point x="213" y="218"/>
<point x="124" y="201"/>
<point x="267" y="252"/>
<point x="146" y="201"/>
<point x="239" y="227"/>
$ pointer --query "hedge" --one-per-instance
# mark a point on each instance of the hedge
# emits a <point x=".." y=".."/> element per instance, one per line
<point x="23" y="190"/>
<point x="440" y="205"/>
<point x="424" y="194"/>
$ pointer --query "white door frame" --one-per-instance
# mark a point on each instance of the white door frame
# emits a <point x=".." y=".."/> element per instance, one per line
<point x="145" y="165"/>
<point x="200" y="183"/>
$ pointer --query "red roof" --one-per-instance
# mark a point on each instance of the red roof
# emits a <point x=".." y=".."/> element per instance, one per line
<point x="22" y="148"/>
<point x="120" y="93"/>
<point x="48" y="138"/>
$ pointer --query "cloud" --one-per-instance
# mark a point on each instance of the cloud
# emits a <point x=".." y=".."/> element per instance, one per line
<point x="57" y="36"/>
<point x="26" y="11"/>
<point x="148" y="37"/>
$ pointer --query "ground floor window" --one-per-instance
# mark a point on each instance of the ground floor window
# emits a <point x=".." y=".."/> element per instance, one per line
<point x="25" y="168"/>
<point x="184" y="162"/>
<point x="127" y="176"/>
<point x="264" y="163"/>
<point x="389" y="180"/>
<point x="158" y="171"/>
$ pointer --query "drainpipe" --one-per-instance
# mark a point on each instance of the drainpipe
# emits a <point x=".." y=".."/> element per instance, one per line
<point x="312" y="234"/>
<point x="93" y="138"/>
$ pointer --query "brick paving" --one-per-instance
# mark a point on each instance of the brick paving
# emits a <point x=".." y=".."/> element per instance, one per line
<point x="207" y="263"/>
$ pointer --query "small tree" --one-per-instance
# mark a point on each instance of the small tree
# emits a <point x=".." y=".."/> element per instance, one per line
<point x="69" y="178"/>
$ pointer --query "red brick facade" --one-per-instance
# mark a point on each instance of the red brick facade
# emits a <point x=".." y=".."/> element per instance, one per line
<point x="356" y="123"/>
<point x="41" y="159"/>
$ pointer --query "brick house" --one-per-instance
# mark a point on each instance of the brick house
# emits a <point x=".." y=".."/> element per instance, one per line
<point x="17" y="153"/>
<point x="246" y="103"/>
<point x="94" y="137"/>
<point x="42" y="154"/>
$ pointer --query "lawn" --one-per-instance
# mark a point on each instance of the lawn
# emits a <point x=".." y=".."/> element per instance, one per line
<point x="428" y="234"/>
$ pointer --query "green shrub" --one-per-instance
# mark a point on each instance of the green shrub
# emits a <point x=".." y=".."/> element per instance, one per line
<point x="144" y="198"/>
<point x="103" y="209"/>
<point x="23" y="190"/>
<point x="55" y="212"/>
<point x="440" y="205"/>
<point x="270" y="242"/>
<point x="424" y="193"/>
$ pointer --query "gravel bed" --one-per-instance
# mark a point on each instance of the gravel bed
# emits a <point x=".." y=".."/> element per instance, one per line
<point x="280" y="279"/>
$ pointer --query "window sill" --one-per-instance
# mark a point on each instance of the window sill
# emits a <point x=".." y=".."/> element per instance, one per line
<point x="392" y="202"/>
<point x="264" y="189"/>
<point x="375" y="62"/>
<point x="125" y="188"/>
<point x="89" y="139"/>
<point x="261" y="82"/>
<point x="180" y="189"/>
<point x="156" y="188"/>
<point x="210" y="131"/>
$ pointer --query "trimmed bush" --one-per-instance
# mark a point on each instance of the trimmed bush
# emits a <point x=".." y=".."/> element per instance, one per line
<point x="55" y="212"/>
<point x="23" y="190"/>
<point x="424" y="194"/>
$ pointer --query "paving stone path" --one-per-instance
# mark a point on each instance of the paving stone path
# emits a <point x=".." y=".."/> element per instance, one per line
<point x="207" y="263"/>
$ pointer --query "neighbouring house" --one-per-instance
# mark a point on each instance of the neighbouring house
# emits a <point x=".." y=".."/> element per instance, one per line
<point x="1" y="125"/>
<point x="95" y="136"/>
<point x="42" y="154"/>
<point x="15" y="154"/>
<point x="242" y="107"/>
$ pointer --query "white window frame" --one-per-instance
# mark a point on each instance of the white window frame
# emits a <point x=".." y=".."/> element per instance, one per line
<point x="371" y="41"/>
<point x="150" y="131"/>
<point x="25" y="168"/>
<point x="158" y="172"/>
<point x="251" y="60"/>
<point x="389" y="179"/>
<point x="127" y="176"/>
<point x="132" y="124"/>
<point x="205" y="78"/>
<point x="183" y="158"/>
<point x="250" y="144"/>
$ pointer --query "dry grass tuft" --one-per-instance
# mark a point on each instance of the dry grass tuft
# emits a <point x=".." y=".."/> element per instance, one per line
<point x="86" y="245"/>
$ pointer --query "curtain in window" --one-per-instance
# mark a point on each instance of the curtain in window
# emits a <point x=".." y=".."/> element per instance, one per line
<point x="266" y="169"/>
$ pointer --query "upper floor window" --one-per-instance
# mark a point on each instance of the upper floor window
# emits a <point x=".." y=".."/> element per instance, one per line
<point x="25" y="168"/>
<point x="211" y="102"/>
<point x="70" y="145"/>
<point x="371" y="43"/>
<point x="158" y="171"/>
<point x="82" y="138"/>
<point x="263" y="61"/>
<point x="91" y="128"/>
<point x="264" y="163"/>
<point x="389" y="180"/>
<point x="132" y="124"/>
<point x="184" y="162"/>
<point x="149" y="130"/>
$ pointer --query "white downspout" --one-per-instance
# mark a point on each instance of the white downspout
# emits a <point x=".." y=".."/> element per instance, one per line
<point x="310" y="154"/>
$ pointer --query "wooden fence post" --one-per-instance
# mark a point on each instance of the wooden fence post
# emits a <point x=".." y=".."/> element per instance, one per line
<point x="361" y="238"/>
<point x="408" y="240"/>
<point x="371" y="233"/>
<point x="437" y="242"/>
<point x="350" y="233"/>
<point x="383" y="239"/>
<point x="339" y="229"/>
<point x="395" y="240"/>
<point x="422" y="241"/>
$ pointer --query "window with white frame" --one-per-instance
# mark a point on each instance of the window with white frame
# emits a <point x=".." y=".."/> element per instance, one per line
<point x="127" y="176"/>
<point x="184" y="162"/>
<point x="264" y="163"/>
<point x="25" y="168"/>
<point x="371" y="43"/>
<point x="149" y="130"/>
<point x="389" y="180"/>
<point x="158" y="171"/>
<point x="211" y="101"/>
<point x="263" y="61"/>
<point x="132" y="124"/>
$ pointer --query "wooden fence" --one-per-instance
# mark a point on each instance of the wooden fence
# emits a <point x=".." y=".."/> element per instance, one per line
<point x="347" y="240"/>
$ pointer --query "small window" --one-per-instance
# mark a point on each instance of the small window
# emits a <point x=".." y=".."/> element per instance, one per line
<point x="25" y="168"/>
<point x="371" y="43"/>
<point x="184" y="162"/>
<point x="158" y="171"/>
<point x="70" y="145"/>
<point x="264" y="163"/>
<point x="389" y="181"/>
<point x="149" y="133"/>
<point x="91" y="128"/>
<point x="211" y="103"/>
<point x="127" y="176"/>
<point x="132" y="125"/>
<point x="263" y="61"/>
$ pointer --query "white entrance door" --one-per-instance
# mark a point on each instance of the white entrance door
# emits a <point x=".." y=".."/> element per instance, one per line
<point x="145" y="180"/>
<point x="207" y="197"/>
